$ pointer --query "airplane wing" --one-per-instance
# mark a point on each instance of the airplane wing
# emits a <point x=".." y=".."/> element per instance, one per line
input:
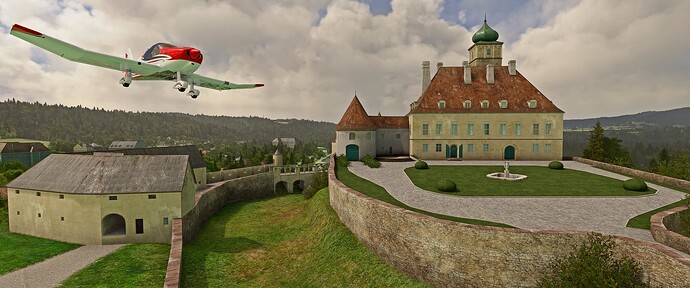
<point x="217" y="84"/>
<point x="76" y="54"/>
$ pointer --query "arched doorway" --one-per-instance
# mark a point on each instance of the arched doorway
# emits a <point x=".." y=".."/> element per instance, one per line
<point x="113" y="224"/>
<point x="352" y="152"/>
<point x="509" y="153"/>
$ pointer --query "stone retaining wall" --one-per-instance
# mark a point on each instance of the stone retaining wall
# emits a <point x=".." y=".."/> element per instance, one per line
<point x="172" y="275"/>
<point x="451" y="254"/>
<point x="224" y="175"/>
<point x="680" y="183"/>
<point x="664" y="227"/>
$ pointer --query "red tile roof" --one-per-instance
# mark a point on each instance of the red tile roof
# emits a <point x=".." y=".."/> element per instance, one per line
<point x="448" y="85"/>
<point x="356" y="118"/>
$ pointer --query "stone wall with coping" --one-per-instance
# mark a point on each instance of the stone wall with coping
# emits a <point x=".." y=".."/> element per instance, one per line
<point x="680" y="183"/>
<point x="172" y="275"/>
<point x="451" y="254"/>
<point x="224" y="175"/>
<point x="666" y="224"/>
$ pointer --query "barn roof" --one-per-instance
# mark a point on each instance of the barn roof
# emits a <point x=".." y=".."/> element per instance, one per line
<point x="105" y="173"/>
<point x="194" y="156"/>
<point x="16" y="147"/>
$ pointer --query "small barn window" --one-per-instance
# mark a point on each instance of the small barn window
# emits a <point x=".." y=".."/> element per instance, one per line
<point x="152" y="196"/>
<point x="39" y="215"/>
<point x="112" y="197"/>
<point x="18" y="212"/>
<point x="532" y="104"/>
<point x="139" y="226"/>
<point x="165" y="221"/>
<point x="38" y="194"/>
<point x="61" y="196"/>
<point x="441" y="104"/>
<point x="485" y="104"/>
<point x="16" y="191"/>
<point x="503" y="104"/>
<point x="62" y="219"/>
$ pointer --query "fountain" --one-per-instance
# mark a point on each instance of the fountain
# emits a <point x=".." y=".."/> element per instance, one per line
<point x="506" y="175"/>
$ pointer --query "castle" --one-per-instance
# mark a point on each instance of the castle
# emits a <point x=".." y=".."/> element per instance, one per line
<point x="479" y="111"/>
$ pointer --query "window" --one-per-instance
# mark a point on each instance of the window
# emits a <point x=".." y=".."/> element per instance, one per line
<point x="535" y="129"/>
<point x="16" y="191"/>
<point x="438" y="128"/>
<point x="38" y="194"/>
<point x="152" y="196"/>
<point x="486" y="129"/>
<point x="112" y="197"/>
<point x="139" y="226"/>
<point x="485" y="147"/>
<point x="470" y="129"/>
<point x="547" y="148"/>
<point x="397" y="136"/>
<point x="368" y="135"/>
<point x="503" y="104"/>
<point x="503" y="129"/>
<point x="425" y="129"/>
<point x="532" y="104"/>
<point x="352" y="136"/>
<point x="518" y="129"/>
<point x="62" y="219"/>
<point x="441" y="104"/>
<point x="485" y="104"/>
<point x="454" y="129"/>
<point x="535" y="148"/>
<point x="165" y="221"/>
<point x="17" y="212"/>
<point x="488" y="51"/>
<point x="425" y="147"/>
<point x="61" y="196"/>
<point x="470" y="148"/>
<point x="467" y="104"/>
<point x="438" y="147"/>
<point x="548" y="128"/>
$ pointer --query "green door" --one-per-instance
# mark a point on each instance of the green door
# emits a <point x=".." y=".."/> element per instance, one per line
<point x="460" y="151"/>
<point x="509" y="153"/>
<point x="352" y="152"/>
<point x="453" y="151"/>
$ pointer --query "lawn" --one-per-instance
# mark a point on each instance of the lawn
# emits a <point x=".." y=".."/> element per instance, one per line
<point x="541" y="181"/>
<point x="642" y="221"/>
<point x="18" y="250"/>
<point x="285" y="241"/>
<point x="370" y="189"/>
<point x="135" y="265"/>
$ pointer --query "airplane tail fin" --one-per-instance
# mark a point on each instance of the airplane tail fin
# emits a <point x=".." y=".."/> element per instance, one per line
<point x="128" y="54"/>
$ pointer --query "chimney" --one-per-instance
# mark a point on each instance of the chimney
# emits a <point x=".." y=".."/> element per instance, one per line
<point x="439" y="65"/>
<point x="426" y="75"/>
<point x="511" y="68"/>
<point x="468" y="72"/>
<point x="489" y="74"/>
<point x="413" y="105"/>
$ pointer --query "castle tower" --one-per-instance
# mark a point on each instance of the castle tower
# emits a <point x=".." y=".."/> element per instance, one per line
<point x="486" y="50"/>
<point x="278" y="158"/>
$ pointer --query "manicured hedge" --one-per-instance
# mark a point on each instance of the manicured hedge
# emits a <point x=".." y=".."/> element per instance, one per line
<point x="421" y="165"/>
<point x="446" y="185"/>
<point x="635" y="185"/>
<point x="371" y="162"/>
<point x="556" y="165"/>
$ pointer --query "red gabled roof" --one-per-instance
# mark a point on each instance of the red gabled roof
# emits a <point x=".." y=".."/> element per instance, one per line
<point x="355" y="118"/>
<point x="448" y="85"/>
<point x="391" y="121"/>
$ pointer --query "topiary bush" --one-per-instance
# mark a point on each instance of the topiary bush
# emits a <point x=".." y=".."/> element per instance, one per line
<point x="446" y="185"/>
<point x="370" y="161"/>
<point x="421" y="165"/>
<point x="556" y="165"/>
<point x="635" y="185"/>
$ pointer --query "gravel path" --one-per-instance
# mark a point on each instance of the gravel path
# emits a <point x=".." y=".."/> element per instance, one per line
<point x="607" y="215"/>
<point x="51" y="272"/>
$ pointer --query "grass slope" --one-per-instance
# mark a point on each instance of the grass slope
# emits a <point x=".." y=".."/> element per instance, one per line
<point x="135" y="265"/>
<point x="642" y="221"/>
<point x="541" y="181"/>
<point x="18" y="250"/>
<point x="370" y="189"/>
<point x="283" y="242"/>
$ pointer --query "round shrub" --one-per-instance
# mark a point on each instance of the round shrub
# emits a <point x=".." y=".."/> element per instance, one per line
<point x="556" y="165"/>
<point x="635" y="185"/>
<point x="446" y="185"/>
<point x="421" y="165"/>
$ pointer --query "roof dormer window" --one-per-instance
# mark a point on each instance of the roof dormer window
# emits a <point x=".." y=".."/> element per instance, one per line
<point x="467" y="104"/>
<point x="503" y="104"/>
<point x="532" y="104"/>
<point x="441" y="104"/>
<point x="485" y="104"/>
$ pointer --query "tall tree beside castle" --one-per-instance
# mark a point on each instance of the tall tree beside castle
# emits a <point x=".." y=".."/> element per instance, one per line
<point x="595" y="148"/>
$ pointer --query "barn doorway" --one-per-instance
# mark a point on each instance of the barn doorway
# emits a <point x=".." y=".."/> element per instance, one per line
<point x="113" y="224"/>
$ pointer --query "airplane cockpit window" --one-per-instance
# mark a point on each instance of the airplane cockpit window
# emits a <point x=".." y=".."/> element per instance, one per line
<point x="155" y="50"/>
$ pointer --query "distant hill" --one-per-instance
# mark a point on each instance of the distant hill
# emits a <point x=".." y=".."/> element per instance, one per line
<point x="680" y="116"/>
<point x="87" y="125"/>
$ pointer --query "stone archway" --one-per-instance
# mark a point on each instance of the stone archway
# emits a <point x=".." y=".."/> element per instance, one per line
<point x="281" y="187"/>
<point x="298" y="186"/>
<point x="113" y="224"/>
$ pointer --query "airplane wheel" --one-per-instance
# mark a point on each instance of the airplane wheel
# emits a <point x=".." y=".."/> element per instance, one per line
<point x="194" y="97"/>
<point x="181" y="89"/>
<point x="125" y="84"/>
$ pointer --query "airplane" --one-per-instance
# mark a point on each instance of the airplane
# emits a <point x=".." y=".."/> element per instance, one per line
<point x="162" y="61"/>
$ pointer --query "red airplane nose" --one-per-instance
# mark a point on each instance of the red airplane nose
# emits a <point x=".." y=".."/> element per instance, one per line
<point x="194" y="53"/>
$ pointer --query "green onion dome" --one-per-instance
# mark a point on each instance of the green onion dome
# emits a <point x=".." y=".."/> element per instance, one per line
<point x="485" y="34"/>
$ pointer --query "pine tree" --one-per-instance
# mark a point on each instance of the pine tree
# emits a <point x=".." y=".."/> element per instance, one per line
<point x="595" y="147"/>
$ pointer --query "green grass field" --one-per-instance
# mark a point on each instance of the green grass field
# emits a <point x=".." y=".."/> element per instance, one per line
<point x="541" y="181"/>
<point x="370" y="189"/>
<point x="18" y="251"/>
<point x="284" y="241"/>
<point x="135" y="265"/>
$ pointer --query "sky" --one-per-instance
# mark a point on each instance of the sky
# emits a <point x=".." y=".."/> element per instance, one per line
<point x="591" y="58"/>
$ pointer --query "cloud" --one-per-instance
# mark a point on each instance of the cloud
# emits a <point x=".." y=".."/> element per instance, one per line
<point x="312" y="55"/>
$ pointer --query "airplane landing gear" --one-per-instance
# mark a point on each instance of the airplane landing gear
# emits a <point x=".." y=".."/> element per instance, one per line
<point x="125" y="81"/>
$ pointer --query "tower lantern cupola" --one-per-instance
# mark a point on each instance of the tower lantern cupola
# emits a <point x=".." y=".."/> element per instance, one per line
<point x="486" y="50"/>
